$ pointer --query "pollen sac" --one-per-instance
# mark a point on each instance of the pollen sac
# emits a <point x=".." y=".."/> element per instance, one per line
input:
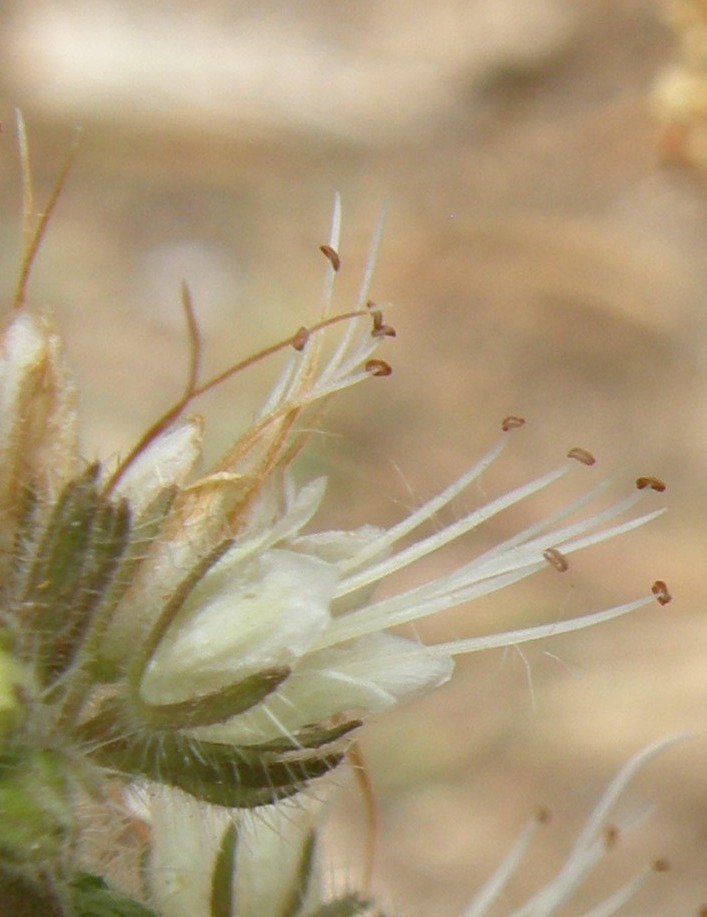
<point x="378" y="368"/>
<point x="556" y="559"/>
<point x="581" y="455"/>
<point x="331" y="255"/>
<point x="512" y="423"/>
<point x="661" y="592"/>
<point x="381" y="330"/>
<point x="300" y="339"/>
<point x="653" y="483"/>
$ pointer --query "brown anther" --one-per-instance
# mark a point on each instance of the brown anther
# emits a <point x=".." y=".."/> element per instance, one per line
<point x="660" y="865"/>
<point x="556" y="559"/>
<point x="332" y="255"/>
<point x="511" y="423"/>
<point x="661" y="592"/>
<point x="542" y="815"/>
<point x="653" y="483"/>
<point x="299" y="340"/>
<point x="611" y="836"/>
<point x="378" y="368"/>
<point x="581" y="455"/>
<point x="380" y="330"/>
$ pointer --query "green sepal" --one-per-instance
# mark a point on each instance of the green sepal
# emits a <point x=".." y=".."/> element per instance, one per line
<point x="221" y="904"/>
<point x="221" y="774"/>
<point x="298" y="895"/>
<point x="232" y="777"/>
<point x="309" y="737"/>
<point x="348" y="906"/>
<point x="73" y="564"/>
<point x="145" y="529"/>
<point x="37" y="820"/>
<point x="91" y="896"/>
<point x="209" y="709"/>
<point x="13" y="678"/>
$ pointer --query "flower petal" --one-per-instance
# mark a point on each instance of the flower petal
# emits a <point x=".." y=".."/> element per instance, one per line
<point x="366" y="676"/>
<point x="270" y="614"/>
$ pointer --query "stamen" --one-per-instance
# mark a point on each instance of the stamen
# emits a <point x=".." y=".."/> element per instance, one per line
<point x="381" y="330"/>
<point x="512" y="422"/>
<point x="378" y="368"/>
<point x="543" y="816"/>
<point x="653" y="483"/>
<point x="300" y="338"/>
<point x="581" y="455"/>
<point x="332" y="256"/>
<point x="612" y="835"/>
<point x="556" y="559"/>
<point x="661" y="592"/>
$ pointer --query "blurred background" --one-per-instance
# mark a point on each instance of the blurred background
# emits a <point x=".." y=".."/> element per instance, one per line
<point x="545" y="254"/>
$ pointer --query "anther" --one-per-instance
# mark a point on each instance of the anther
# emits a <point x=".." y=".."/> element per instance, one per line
<point x="511" y="423"/>
<point x="380" y="330"/>
<point x="300" y="338"/>
<point x="332" y="255"/>
<point x="581" y="455"/>
<point x="611" y="836"/>
<point x="660" y="865"/>
<point x="556" y="559"/>
<point x="542" y="815"/>
<point x="378" y="368"/>
<point x="653" y="483"/>
<point x="661" y="592"/>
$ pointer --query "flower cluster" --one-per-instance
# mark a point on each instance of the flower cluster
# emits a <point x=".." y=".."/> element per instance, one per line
<point x="179" y="646"/>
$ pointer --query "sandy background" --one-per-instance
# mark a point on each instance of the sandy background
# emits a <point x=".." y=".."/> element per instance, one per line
<point x="542" y="261"/>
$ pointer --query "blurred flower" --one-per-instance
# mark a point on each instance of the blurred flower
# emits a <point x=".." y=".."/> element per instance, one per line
<point x="597" y="838"/>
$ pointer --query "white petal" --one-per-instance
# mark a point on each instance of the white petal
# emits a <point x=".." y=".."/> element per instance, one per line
<point x="271" y="844"/>
<point x="269" y="615"/>
<point x="38" y="421"/>
<point x="269" y="851"/>
<point x="366" y="676"/>
<point x="170" y="459"/>
<point x="185" y="838"/>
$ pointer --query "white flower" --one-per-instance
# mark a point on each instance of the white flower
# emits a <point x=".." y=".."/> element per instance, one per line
<point x="186" y="630"/>
<point x="206" y="860"/>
